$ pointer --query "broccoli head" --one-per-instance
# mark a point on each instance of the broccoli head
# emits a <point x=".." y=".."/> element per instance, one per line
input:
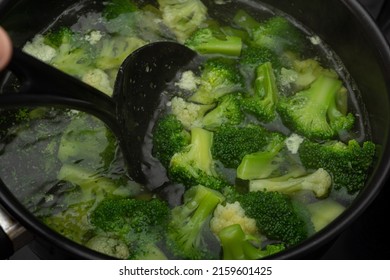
<point x="276" y="33"/>
<point x="227" y="111"/>
<point x="253" y="56"/>
<point x="213" y="41"/>
<point x="185" y="231"/>
<point x="169" y="138"/>
<point x="219" y="76"/>
<point x="313" y="112"/>
<point x="73" y="55"/>
<point x="348" y="164"/>
<point x="194" y="165"/>
<point x="232" y="143"/>
<point x="134" y="221"/>
<point x="319" y="182"/>
<point x="115" y="8"/>
<point x="263" y="163"/>
<point x="236" y="245"/>
<point x="112" y="51"/>
<point x="277" y="216"/>
<point x="183" y="17"/>
<point x="262" y="103"/>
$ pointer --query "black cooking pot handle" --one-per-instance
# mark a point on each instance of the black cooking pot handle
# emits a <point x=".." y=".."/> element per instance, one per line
<point x="6" y="245"/>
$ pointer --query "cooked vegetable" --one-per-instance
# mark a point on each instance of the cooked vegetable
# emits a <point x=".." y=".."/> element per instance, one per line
<point x="186" y="229"/>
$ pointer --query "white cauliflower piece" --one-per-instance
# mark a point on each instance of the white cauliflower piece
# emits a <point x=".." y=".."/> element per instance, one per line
<point x="293" y="142"/>
<point x="38" y="49"/>
<point x="98" y="79"/>
<point x="231" y="214"/>
<point x="188" y="81"/>
<point x="188" y="113"/>
<point x="94" y="37"/>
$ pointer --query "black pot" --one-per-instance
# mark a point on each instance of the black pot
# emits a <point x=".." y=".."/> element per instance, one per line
<point x="343" y="24"/>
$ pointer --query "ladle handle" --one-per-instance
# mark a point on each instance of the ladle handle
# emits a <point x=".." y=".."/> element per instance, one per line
<point x="44" y="85"/>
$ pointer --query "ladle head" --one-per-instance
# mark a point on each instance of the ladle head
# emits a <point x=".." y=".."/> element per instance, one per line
<point x="142" y="78"/>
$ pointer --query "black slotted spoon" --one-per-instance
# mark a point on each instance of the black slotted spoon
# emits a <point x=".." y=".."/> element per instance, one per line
<point x="142" y="77"/>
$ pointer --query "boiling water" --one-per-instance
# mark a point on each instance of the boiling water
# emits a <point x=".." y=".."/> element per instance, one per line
<point x="35" y="168"/>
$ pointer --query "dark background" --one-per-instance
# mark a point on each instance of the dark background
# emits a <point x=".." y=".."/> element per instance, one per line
<point x="368" y="238"/>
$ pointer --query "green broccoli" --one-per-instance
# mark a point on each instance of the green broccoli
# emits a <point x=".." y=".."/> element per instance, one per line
<point x="301" y="73"/>
<point x="185" y="231"/>
<point x="211" y="41"/>
<point x="253" y="56"/>
<point x="169" y="138"/>
<point x="277" y="216"/>
<point x="262" y="104"/>
<point x="183" y="17"/>
<point x="232" y="143"/>
<point x="73" y="55"/>
<point x="219" y="76"/>
<point x="227" y="111"/>
<point x="319" y="182"/>
<point x="276" y="33"/>
<point x="109" y="245"/>
<point x="134" y="221"/>
<point x="263" y="163"/>
<point x="236" y="245"/>
<point x="313" y="112"/>
<point x="115" y="8"/>
<point x="112" y="51"/>
<point x="348" y="164"/>
<point x="194" y="165"/>
<point x="87" y="142"/>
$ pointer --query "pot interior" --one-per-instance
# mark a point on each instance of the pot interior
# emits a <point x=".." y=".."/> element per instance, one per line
<point x="343" y="28"/>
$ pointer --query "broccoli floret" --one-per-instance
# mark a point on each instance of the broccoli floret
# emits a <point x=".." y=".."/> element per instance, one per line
<point x="348" y="164"/>
<point x="319" y="182"/>
<point x="236" y="245"/>
<point x="190" y="114"/>
<point x="71" y="222"/>
<point x="219" y="76"/>
<point x="169" y="138"/>
<point x="137" y="222"/>
<point x="263" y="163"/>
<point x="183" y="17"/>
<point x="194" y="165"/>
<point x="74" y="55"/>
<point x="185" y="232"/>
<point x="232" y="143"/>
<point x="262" y="103"/>
<point x="314" y="112"/>
<point x="277" y="216"/>
<point x="115" y="8"/>
<point x="109" y="245"/>
<point x="276" y="33"/>
<point x="227" y="111"/>
<point x="211" y="41"/>
<point x="112" y="51"/>
<point x="299" y="74"/>
<point x="253" y="56"/>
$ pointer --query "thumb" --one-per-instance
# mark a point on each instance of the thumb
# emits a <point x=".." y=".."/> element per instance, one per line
<point x="5" y="49"/>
